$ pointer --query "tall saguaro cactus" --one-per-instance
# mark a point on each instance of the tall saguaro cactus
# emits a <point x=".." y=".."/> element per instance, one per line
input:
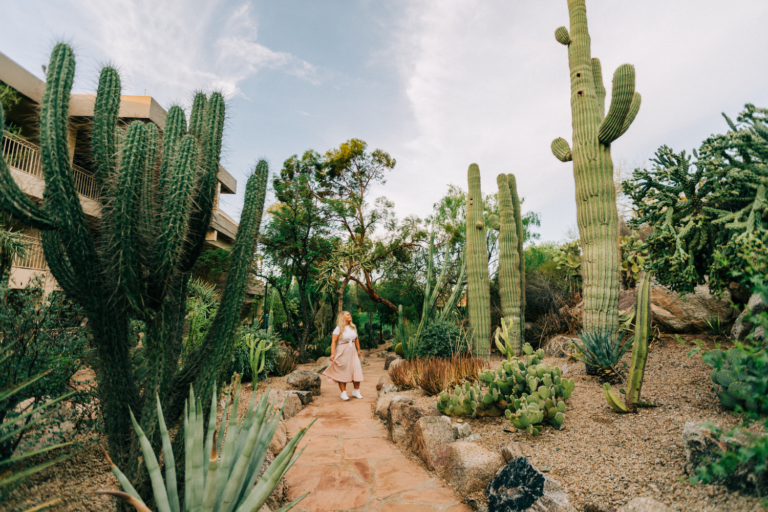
<point x="478" y="282"/>
<point x="510" y="276"/>
<point x="157" y="193"/>
<point x="593" y="133"/>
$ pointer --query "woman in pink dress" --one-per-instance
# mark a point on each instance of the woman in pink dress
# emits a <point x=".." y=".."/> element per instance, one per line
<point x="345" y="356"/>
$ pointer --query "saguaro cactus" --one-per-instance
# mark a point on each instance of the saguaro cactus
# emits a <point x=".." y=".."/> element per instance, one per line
<point x="478" y="282"/>
<point x="156" y="210"/>
<point x="510" y="283"/>
<point x="521" y="252"/>
<point x="593" y="133"/>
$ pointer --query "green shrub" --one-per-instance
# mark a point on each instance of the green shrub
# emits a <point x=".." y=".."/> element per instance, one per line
<point x="438" y="339"/>
<point x="240" y="360"/>
<point x="38" y="336"/>
<point x="387" y="334"/>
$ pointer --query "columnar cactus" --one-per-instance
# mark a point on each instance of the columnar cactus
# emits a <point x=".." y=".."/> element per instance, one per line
<point x="156" y="211"/>
<point x="593" y="133"/>
<point x="478" y="282"/>
<point x="512" y="182"/>
<point x="510" y="278"/>
<point x="640" y="345"/>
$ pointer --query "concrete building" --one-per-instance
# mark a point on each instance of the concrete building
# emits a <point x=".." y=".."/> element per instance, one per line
<point x="21" y="151"/>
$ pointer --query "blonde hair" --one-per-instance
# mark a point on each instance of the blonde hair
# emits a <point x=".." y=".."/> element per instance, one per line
<point x="341" y="322"/>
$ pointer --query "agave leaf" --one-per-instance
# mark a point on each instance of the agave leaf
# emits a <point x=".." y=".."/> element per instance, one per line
<point x="137" y="504"/>
<point x="150" y="461"/>
<point x="169" y="461"/>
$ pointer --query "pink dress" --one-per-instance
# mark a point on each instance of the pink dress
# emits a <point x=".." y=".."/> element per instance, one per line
<point x="345" y="367"/>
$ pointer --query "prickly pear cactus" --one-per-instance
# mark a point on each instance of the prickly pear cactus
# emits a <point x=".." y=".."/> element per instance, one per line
<point x="737" y="379"/>
<point x="594" y="131"/>
<point x="478" y="282"/>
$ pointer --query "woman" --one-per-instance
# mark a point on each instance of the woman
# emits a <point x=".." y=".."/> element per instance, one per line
<point x="345" y="356"/>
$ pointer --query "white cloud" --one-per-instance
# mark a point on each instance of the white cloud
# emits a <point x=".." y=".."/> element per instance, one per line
<point x="487" y="83"/>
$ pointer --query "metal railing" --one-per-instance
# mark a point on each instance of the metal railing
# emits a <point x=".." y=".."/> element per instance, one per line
<point x="25" y="156"/>
<point x="35" y="258"/>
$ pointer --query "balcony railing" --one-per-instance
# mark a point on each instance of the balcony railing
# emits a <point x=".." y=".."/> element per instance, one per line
<point x="34" y="259"/>
<point x="25" y="156"/>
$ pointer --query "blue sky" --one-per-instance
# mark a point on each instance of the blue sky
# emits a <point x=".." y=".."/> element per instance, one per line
<point x="437" y="84"/>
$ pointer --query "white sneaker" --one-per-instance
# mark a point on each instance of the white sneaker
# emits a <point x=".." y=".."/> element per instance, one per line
<point x="344" y="396"/>
<point x="356" y="393"/>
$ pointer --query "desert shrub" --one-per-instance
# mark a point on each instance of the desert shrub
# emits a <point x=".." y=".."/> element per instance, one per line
<point x="39" y="336"/>
<point x="202" y="305"/>
<point x="438" y="339"/>
<point x="285" y="361"/>
<point x="240" y="359"/>
<point x="212" y="263"/>
<point x="436" y="374"/>
<point x="387" y="334"/>
<point x="544" y="293"/>
<point x="402" y="374"/>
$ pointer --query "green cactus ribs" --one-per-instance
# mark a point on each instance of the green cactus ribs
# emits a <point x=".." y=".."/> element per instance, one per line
<point x="478" y="281"/>
<point x="528" y="393"/>
<point x="593" y="133"/>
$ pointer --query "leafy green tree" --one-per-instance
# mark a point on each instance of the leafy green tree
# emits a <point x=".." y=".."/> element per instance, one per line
<point x="345" y="182"/>
<point x="297" y="238"/>
<point x="708" y="211"/>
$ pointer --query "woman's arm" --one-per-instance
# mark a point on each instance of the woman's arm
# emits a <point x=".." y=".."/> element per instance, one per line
<point x="357" y="344"/>
<point x="334" y="339"/>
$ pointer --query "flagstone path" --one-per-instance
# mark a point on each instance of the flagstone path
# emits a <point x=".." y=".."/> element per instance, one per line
<point x="351" y="465"/>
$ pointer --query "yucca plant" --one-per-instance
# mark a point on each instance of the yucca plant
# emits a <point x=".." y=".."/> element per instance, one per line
<point x="219" y="475"/>
<point x="603" y="351"/>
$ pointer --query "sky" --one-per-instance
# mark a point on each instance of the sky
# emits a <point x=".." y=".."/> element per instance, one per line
<point x="437" y="84"/>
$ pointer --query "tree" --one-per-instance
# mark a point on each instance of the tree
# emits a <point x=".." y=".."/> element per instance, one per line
<point x="708" y="210"/>
<point x="345" y="183"/>
<point x="297" y="238"/>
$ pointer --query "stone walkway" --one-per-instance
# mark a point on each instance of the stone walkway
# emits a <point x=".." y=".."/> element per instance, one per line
<point x="351" y="465"/>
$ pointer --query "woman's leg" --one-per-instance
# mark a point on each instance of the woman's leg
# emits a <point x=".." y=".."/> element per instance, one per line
<point x="343" y="386"/>
<point x="356" y="384"/>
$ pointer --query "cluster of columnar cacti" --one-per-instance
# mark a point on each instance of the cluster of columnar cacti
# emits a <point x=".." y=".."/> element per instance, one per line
<point x="739" y="379"/>
<point x="525" y="390"/>
<point x="478" y="282"/>
<point x="594" y="131"/>
<point x="221" y="474"/>
<point x="157" y="193"/>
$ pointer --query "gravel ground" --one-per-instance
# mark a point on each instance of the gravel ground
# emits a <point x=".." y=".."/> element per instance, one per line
<point x="601" y="457"/>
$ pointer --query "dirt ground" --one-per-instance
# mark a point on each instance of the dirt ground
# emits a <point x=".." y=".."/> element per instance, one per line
<point x="602" y="457"/>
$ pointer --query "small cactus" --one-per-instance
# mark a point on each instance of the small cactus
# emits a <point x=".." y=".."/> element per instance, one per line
<point x="734" y="378"/>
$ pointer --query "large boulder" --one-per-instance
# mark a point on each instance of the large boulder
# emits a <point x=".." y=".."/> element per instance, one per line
<point x="304" y="396"/>
<point x="280" y="439"/>
<point x="304" y="380"/>
<point x="391" y="357"/>
<point x="278" y="397"/>
<point x="644" y="505"/>
<point x="470" y="467"/>
<point x="742" y="327"/>
<point x="402" y="418"/>
<point x="699" y="445"/>
<point x="384" y="379"/>
<point x="518" y="486"/>
<point x="432" y="436"/>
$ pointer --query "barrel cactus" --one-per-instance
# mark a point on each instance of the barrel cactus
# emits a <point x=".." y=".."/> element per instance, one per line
<point x="594" y="131"/>
<point x="220" y="473"/>
<point x="478" y="282"/>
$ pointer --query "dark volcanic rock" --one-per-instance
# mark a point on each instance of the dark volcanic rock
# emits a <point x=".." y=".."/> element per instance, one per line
<point x="519" y="487"/>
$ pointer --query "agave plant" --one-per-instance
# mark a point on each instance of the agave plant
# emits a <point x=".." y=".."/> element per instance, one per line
<point x="601" y="350"/>
<point x="219" y="476"/>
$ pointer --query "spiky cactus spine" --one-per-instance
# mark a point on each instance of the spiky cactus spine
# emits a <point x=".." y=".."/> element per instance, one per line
<point x="593" y="133"/>
<point x="509" y="266"/>
<point x="478" y="282"/>
<point x="154" y="222"/>
<point x="640" y="345"/>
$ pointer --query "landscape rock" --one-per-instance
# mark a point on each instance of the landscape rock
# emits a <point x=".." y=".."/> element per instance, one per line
<point x="386" y="400"/>
<point x="461" y="430"/>
<point x="518" y="486"/>
<point x="384" y="379"/>
<point x="596" y="507"/>
<point x="644" y="505"/>
<point x="292" y="403"/>
<point x="304" y="396"/>
<point x="390" y="358"/>
<point x="699" y="445"/>
<point x="472" y="438"/>
<point x="321" y="360"/>
<point x="323" y="366"/>
<point x="280" y="439"/>
<point x="402" y="418"/>
<point x="742" y="328"/>
<point x="512" y="451"/>
<point x="558" y="346"/>
<point x="470" y="467"/>
<point x="304" y="380"/>
<point x="432" y="436"/>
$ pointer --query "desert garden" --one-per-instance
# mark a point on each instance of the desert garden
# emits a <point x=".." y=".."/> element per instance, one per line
<point x="624" y="369"/>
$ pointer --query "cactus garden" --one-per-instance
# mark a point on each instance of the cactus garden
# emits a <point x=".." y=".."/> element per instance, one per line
<point x="583" y="333"/>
